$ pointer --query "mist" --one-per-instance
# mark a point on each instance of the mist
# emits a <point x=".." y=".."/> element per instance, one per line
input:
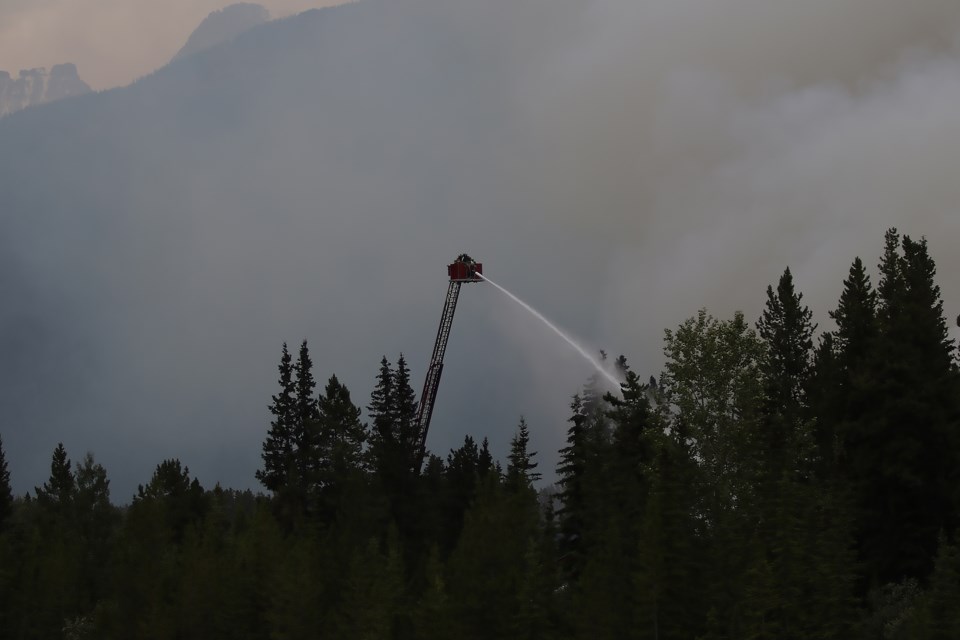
<point x="113" y="42"/>
<point x="617" y="165"/>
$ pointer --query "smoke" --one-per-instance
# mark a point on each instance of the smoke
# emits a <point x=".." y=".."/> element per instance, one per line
<point x="710" y="144"/>
<point x="112" y="42"/>
<point x="617" y="164"/>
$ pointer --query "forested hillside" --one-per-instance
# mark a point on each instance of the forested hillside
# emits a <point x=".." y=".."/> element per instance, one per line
<point x="776" y="481"/>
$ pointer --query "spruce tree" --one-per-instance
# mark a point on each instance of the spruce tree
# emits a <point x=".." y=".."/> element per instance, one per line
<point x="278" y="448"/>
<point x="6" y="494"/>
<point x="382" y="437"/>
<point x="343" y="434"/>
<point x="941" y="603"/>
<point x="520" y="465"/>
<point x="903" y="454"/>
<point x="404" y="411"/>
<point x="856" y="317"/>
<point x="787" y="329"/>
<point x="306" y="428"/>
<point x="572" y="472"/>
<point x="58" y="491"/>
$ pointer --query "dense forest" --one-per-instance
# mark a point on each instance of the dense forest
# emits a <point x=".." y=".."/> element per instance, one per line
<point x="776" y="481"/>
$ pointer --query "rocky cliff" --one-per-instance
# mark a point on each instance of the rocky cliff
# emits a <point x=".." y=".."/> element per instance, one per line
<point x="36" y="86"/>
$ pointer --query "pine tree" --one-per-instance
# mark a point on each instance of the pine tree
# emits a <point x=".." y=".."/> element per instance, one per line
<point x="485" y="462"/>
<point x="58" y="491"/>
<point x="344" y="435"/>
<point x="405" y="413"/>
<point x="94" y="529"/>
<point x="903" y="452"/>
<point x="571" y="472"/>
<point x="941" y="610"/>
<point x="520" y="465"/>
<point x="6" y="494"/>
<point x="382" y="437"/>
<point x="787" y="329"/>
<point x="306" y="427"/>
<point x="180" y="499"/>
<point x="856" y="317"/>
<point x="278" y="448"/>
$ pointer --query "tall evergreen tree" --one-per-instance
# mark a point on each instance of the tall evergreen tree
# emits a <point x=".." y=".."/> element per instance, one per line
<point x="306" y="428"/>
<point x="382" y="437"/>
<point x="343" y="434"/>
<point x="520" y="465"/>
<point x="58" y="491"/>
<point x="856" y="317"/>
<point x="278" y="448"/>
<point x="6" y="494"/>
<point x="405" y="411"/>
<point x="903" y="453"/>
<point x="787" y="329"/>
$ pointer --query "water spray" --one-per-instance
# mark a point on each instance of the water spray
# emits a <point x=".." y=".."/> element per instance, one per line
<point x="466" y="270"/>
<point x="583" y="352"/>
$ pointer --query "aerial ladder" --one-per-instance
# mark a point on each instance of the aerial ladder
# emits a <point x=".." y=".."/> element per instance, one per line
<point x="464" y="269"/>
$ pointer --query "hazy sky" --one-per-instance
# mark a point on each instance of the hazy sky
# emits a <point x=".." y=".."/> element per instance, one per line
<point x="112" y="42"/>
<point x="618" y="163"/>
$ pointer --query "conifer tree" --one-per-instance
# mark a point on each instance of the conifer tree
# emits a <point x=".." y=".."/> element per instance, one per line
<point x="485" y="463"/>
<point x="520" y="465"/>
<point x="787" y="329"/>
<point x="58" y="491"/>
<point x="278" y="448"/>
<point x="903" y="457"/>
<point x="856" y="317"/>
<point x="405" y="412"/>
<point x="571" y="472"/>
<point x="306" y="429"/>
<point x="6" y="494"/>
<point x="344" y="435"/>
<point x="382" y="437"/>
<point x="941" y="608"/>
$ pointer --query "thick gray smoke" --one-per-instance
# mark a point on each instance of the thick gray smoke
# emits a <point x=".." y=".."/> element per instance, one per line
<point x="616" y="164"/>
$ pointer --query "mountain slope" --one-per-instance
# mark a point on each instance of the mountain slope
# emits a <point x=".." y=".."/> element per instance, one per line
<point x="222" y="26"/>
<point x="297" y="182"/>
<point x="37" y="86"/>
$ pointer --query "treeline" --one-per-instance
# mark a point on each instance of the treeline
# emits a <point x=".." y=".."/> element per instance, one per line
<point x="772" y="483"/>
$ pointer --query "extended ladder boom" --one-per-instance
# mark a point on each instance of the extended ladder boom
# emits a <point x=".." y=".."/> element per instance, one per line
<point x="464" y="269"/>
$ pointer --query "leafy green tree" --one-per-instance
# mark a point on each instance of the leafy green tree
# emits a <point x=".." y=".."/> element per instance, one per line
<point x="710" y="397"/>
<point x="711" y="389"/>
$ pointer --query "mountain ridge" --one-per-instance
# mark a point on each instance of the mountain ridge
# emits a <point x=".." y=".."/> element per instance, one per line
<point x="38" y="86"/>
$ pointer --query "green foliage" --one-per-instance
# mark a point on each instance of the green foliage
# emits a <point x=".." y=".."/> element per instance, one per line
<point x="761" y="488"/>
<point x="6" y="494"/>
<point x="278" y="448"/>
<point x="57" y="493"/>
<point x="520" y="464"/>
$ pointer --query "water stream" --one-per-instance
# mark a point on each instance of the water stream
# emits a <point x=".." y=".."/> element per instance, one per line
<point x="583" y="352"/>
